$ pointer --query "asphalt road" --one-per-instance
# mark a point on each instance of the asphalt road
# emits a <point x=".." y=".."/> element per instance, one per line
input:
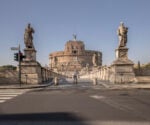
<point x="77" y="106"/>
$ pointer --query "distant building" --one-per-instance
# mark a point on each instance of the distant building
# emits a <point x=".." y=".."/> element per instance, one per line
<point x="74" y="57"/>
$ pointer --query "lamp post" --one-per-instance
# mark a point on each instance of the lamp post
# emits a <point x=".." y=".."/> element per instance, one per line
<point x="19" y="59"/>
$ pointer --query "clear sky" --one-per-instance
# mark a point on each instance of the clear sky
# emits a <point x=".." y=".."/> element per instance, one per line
<point x="94" y="21"/>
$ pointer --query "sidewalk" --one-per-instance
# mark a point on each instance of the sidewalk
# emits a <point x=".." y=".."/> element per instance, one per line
<point x="25" y="86"/>
<point x="108" y="85"/>
<point x="134" y="86"/>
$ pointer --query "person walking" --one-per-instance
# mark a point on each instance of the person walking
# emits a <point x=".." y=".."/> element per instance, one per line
<point x="75" y="77"/>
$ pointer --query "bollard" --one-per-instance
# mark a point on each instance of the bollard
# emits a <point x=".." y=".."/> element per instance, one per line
<point x="56" y="81"/>
<point x="95" y="81"/>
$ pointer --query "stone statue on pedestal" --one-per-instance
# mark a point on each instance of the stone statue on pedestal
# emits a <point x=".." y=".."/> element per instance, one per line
<point x="55" y="61"/>
<point x="74" y="37"/>
<point x="87" y="67"/>
<point x="121" y="70"/>
<point x="94" y="59"/>
<point x="29" y="66"/>
<point x="122" y="34"/>
<point x="29" y="50"/>
<point x="28" y="38"/>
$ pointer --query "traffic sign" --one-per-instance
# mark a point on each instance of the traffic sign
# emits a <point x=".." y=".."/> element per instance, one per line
<point x="14" y="48"/>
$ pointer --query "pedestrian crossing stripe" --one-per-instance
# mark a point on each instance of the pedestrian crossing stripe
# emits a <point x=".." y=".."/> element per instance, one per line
<point x="97" y="96"/>
<point x="11" y="93"/>
<point x="7" y="95"/>
<point x="1" y="101"/>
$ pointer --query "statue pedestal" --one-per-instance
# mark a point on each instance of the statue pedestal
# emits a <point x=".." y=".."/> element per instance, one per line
<point x="30" y="68"/>
<point x="31" y="72"/>
<point x="122" y="53"/>
<point x="30" y="54"/>
<point x="122" y="68"/>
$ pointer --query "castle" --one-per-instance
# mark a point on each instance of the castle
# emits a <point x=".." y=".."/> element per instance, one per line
<point x="74" y="57"/>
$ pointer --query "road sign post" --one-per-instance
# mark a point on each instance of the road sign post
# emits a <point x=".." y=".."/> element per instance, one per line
<point x="14" y="48"/>
<point x="19" y="65"/>
<point x="17" y="57"/>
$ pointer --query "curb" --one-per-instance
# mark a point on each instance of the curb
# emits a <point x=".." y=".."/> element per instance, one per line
<point x="26" y="87"/>
<point x="124" y="86"/>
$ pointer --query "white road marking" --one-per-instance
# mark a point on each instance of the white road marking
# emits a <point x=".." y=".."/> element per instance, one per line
<point x="110" y="102"/>
<point x="9" y="94"/>
<point x="5" y="98"/>
<point x="115" y="104"/>
<point x="1" y="101"/>
<point x="97" y="97"/>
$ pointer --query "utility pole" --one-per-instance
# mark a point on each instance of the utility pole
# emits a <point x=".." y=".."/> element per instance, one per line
<point x="18" y="57"/>
<point x="19" y="60"/>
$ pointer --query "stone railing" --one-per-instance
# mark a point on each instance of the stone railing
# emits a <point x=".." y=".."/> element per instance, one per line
<point x="101" y="73"/>
<point x="48" y="75"/>
<point x="106" y="73"/>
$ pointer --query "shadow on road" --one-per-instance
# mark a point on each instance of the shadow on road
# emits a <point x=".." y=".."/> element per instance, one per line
<point x="41" y="118"/>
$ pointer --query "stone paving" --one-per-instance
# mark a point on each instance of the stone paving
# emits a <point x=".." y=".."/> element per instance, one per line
<point x="82" y="83"/>
<point x="88" y="83"/>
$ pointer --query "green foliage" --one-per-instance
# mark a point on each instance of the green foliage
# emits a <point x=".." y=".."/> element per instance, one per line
<point x="143" y="66"/>
<point x="146" y="65"/>
<point x="135" y="66"/>
<point x="7" y="67"/>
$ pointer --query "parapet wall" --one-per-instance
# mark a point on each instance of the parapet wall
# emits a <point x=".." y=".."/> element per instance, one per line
<point x="142" y="71"/>
<point x="105" y="73"/>
<point x="9" y="77"/>
<point x="102" y="73"/>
